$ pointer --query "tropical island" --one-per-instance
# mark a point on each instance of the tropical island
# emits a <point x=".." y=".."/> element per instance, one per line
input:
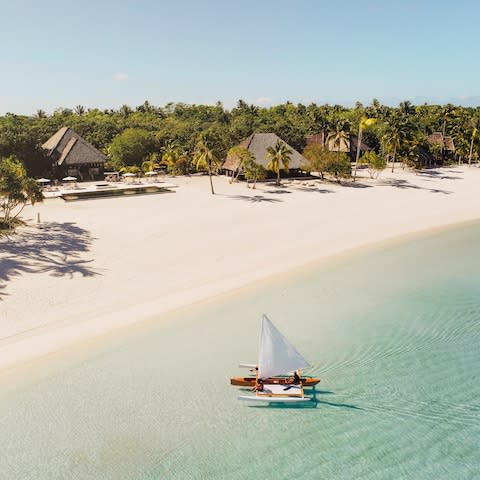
<point x="136" y="139"/>
<point x="246" y="142"/>
<point x="239" y="240"/>
<point x="318" y="173"/>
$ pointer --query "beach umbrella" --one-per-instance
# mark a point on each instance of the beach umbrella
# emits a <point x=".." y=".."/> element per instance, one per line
<point x="151" y="173"/>
<point x="43" y="180"/>
<point x="128" y="175"/>
<point x="69" y="179"/>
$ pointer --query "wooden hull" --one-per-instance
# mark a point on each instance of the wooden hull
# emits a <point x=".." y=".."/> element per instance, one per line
<point x="250" y="381"/>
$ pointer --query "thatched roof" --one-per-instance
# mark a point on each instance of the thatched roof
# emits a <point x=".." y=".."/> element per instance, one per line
<point x="437" y="138"/>
<point x="316" y="139"/>
<point x="257" y="144"/>
<point x="449" y="145"/>
<point x="69" y="148"/>
<point x="349" y="145"/>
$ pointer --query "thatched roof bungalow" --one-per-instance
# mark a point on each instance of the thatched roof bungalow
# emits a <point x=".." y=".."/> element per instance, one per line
<point x="257" y="144"/>
<point x="315" y="139"/>
<point x="347" y="145"/>
<point x="446" y="142"/>
<point x="71" y="155"/>
<point x="425" y="157"/>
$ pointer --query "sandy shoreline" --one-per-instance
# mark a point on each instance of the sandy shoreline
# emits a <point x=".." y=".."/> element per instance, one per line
<point x="99" y="265"/>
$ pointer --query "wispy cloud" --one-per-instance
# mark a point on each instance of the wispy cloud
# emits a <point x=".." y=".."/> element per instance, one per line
<point x="120" y="77"/>
<point x="263" y="100"/>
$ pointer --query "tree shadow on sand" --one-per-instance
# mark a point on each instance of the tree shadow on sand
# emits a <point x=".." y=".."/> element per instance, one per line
<point x="404" y="184"/>
<point x="56" y="248"/>
<point x="279" y="191"/>
<point x="255" y="199"/>
<point x="314" y="189"/>
<point x="439" y="175"/>
<point x="355" y="185"/>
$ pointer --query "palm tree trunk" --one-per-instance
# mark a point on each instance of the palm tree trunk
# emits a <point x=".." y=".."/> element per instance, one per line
<point x="235" y="176"/>
<point x="471" y="151"/>
<point x="211" y="182"/>
<point x="359" y="142"/>
<point x="278" y="176"/>
<point x="394" y="155"/>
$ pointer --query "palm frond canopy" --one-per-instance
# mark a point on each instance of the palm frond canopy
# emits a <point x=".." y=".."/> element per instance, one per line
<point x="278" y="157"/>
<point x="205" y="158"/>
<point x="338" y="142"/>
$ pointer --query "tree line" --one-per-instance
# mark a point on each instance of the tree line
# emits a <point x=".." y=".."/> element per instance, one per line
<point x="149" y="135"/>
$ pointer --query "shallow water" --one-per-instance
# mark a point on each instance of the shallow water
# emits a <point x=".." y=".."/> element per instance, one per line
<point x="393" y="333"/>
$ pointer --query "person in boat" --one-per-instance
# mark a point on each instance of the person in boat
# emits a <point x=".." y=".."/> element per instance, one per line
<point x="296" y="378"/>
<point x="258" y="386"/>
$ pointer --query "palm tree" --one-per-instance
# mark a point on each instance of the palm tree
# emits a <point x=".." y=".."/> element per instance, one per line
<point x="170" y="156"/>
<point x="392" y="139"/>
<point x="448" y="112"/>
<point x="242" y="155"/>
<point x="175" y="158"/>
<point x="253" y="171"/>
<point x="204" y="157"/>
<point x="79" y="110"/>
<point x="151" y="163"/>
<point x="338" y="139"/>
<point x="397" y="130"/>
<point x="474" y="133"/>
<point x="125" y="111"/>
<point x="278" y="156"/>
<point x="364" y="123"/>
<point x="406" y="108"/>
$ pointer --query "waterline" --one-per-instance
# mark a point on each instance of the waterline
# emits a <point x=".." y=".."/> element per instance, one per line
<point x="392" y="333"/>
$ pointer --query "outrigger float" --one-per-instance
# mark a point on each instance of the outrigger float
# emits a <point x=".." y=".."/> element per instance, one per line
<point x="277" y="375"/>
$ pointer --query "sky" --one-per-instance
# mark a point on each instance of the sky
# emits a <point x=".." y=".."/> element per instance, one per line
<point x="103" y="53"/>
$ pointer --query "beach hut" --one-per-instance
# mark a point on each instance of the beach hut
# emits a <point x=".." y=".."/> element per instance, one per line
<point x="315" y="139"/>
<point x="257" y="144"/>
<point x="347" y="145"/>
<point x="438" y="139"/>
<point x="444" y="145"/>
<point x="71" y="155"/>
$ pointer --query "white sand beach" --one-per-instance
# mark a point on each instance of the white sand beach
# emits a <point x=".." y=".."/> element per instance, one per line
<point x="97" y="265"/>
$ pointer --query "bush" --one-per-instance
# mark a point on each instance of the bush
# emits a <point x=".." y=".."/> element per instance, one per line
<point x="374" y="162"/>
<point x="131" y="147"/>
<point x="339" y="165"/>
<point x="16" y="191"/>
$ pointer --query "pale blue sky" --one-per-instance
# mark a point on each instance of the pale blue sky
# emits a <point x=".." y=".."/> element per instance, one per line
<point x="107" y="53"/>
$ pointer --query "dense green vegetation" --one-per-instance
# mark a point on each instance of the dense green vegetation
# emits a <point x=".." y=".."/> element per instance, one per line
<point x="146" y="136"/>
<point x="16" y="191"/>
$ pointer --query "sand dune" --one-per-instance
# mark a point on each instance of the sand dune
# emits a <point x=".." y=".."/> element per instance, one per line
<point x="99" y="264"/>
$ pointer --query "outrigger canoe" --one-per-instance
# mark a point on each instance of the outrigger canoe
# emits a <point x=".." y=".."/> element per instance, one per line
<point x="278" y="360"/>
<point x="251" y="381"/>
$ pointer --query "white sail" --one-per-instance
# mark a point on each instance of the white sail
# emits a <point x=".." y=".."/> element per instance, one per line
<point x="277" y="356"/>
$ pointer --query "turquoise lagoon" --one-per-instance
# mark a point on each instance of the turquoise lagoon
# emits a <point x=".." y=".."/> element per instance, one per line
<point x="392" y="331"/>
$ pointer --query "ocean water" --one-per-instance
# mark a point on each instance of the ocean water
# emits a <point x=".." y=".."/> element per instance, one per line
<point x="393" y="332"/>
